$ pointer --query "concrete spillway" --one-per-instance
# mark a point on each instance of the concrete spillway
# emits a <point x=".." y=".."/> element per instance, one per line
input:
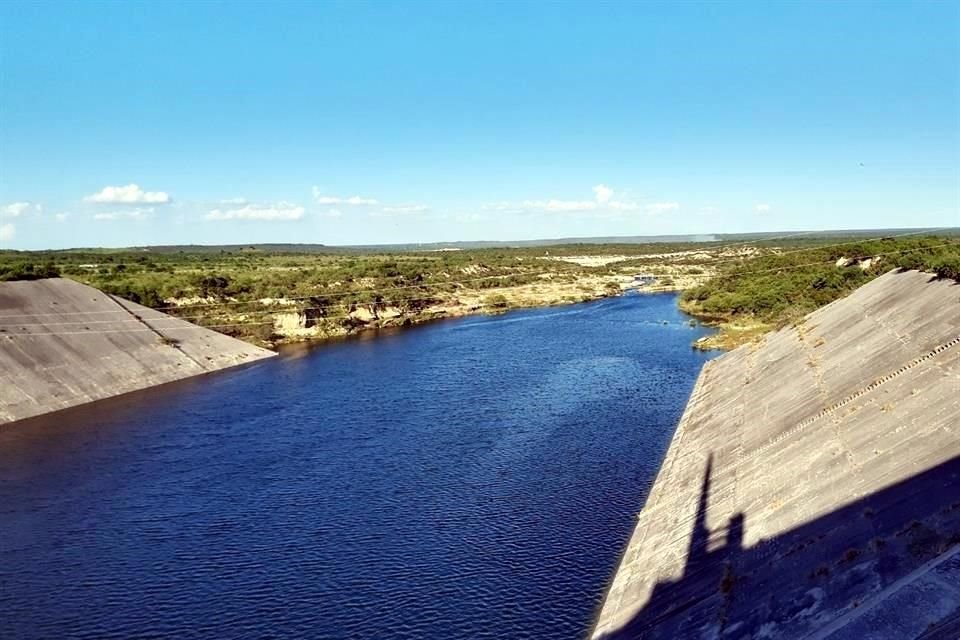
<point x="63" y="344"/>
<point x="812" y="488"/>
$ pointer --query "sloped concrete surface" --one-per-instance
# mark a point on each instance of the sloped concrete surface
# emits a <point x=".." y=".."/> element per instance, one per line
<point x="809" y="477"/>
<point x="63" y="343"/>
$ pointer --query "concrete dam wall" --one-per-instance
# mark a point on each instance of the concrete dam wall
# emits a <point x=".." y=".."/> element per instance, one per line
<point x="812" y="488"/>
<point x="63" y="343"/>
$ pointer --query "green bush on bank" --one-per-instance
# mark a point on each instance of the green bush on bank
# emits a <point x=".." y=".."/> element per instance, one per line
<point x="781" y="288"/>
<point x="28" y="271"/>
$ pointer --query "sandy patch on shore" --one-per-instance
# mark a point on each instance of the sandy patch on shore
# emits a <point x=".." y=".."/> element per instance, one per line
<point x="589" y="261"/>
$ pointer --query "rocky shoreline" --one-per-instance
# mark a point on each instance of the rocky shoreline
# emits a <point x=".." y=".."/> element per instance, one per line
<point x="295" y="326"/>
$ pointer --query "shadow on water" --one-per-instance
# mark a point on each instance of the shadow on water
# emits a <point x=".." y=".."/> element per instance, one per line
<point x="295" y="350"/>
<point x="409" y="327"/>
<point x="792" y="584"/>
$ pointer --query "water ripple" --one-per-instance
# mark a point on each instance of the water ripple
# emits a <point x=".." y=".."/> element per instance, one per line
<point x="470" y="479"/>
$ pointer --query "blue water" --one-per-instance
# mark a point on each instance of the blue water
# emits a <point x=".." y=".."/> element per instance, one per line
<point x="474" y="478"/>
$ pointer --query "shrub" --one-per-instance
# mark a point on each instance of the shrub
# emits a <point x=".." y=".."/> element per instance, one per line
<point x="213" y="286"/>
<point x="28" y="271"/>
<point x="497" y="301"/>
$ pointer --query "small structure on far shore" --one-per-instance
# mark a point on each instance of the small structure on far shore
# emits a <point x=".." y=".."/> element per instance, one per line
<point x="644" y="279"/>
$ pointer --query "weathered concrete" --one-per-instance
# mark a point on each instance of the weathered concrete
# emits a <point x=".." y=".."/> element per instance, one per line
<point x="811" y="477"/>
<point x="63" y="343"/>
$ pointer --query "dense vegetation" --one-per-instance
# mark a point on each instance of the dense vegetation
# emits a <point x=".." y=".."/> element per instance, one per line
<point x="151" y="276"/>
<point x="779" y="288"/>
<point x="240" y="290"/>
<point x="27" y="271"/>
<point x="757" y="284"/>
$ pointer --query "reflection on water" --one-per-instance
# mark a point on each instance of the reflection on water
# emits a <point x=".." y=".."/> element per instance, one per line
<point x="474" y="478"/>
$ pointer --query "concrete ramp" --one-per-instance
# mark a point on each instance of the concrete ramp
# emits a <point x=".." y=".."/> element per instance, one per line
<point x="63" y="343"/>
<point x="812" y="488"/>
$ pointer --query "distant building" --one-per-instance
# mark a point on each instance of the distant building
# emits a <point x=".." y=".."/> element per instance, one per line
<point x="644" y="279"/>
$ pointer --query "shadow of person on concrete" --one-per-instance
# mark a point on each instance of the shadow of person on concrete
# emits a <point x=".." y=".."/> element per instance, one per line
<point x="795" y="583"/>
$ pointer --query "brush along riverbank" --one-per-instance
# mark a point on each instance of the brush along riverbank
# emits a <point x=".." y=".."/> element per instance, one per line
<point x="269" y="295"/>
<point x="746" y="299"/>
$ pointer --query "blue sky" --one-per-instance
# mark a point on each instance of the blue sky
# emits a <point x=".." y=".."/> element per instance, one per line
<point x="341" y="123"/>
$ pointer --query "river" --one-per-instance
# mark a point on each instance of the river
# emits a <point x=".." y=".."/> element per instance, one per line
<point x="473" y="478"/>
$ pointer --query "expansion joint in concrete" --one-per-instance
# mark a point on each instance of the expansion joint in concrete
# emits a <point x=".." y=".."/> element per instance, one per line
<point x="801" y="426"/>
<point x="159" y="334"/>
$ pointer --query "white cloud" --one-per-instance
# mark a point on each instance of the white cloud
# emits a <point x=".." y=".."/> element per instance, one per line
<point x="662" y="207"/>
<point x="129" y="194"/>
<point x="61" y="217"/>
<point x="561" y="206"/>
<point x="510" y="207"/>
<point x="278" y="211"/>
<point x="762" y="207"/>
<point x="602" y="193"/>
<point x="7" y="231"/>
<point x="133" y="214"/>
<point x="332" y="213"/>
<point x="603" y="204"/>
<point x="15" y="209"/>
<point x="602" y="197"/>
<point x="406" y="208"/>
<point x="355" y="201"/>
